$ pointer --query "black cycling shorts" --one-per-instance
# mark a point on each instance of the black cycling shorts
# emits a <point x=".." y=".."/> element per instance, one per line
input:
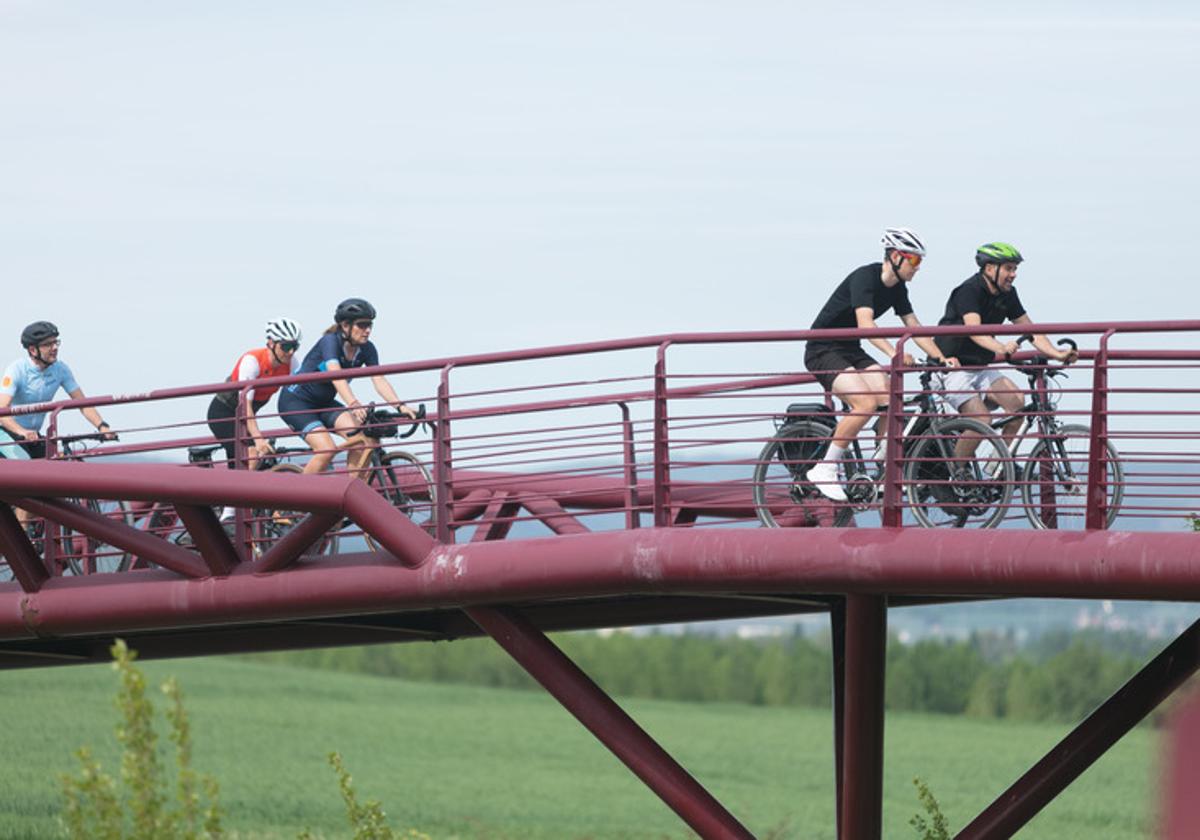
<point x="828" y="360"/>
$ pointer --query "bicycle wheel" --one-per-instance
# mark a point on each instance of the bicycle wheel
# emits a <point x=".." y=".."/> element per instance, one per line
<point x="1054" y="481"/>
<point x="404" y="481"/>
<point x="945" y="491"/>
<point x="268" y="525"/>
<point x="783" y="497"/>
<point x="86" y="555"/>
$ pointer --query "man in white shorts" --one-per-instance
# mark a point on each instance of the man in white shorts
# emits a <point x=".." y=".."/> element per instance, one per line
<point x="988" y="297"/>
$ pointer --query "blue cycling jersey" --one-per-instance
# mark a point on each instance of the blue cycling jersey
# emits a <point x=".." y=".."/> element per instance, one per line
<point x="28" y="384"/>
<point x="329" y="349"/>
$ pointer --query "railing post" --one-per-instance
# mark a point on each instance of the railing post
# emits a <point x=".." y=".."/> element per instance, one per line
<point x="51" y="531"/>
<point x="892" y="512"/>
<point x="241" y="460"/>
<point x="633" y="517"/>
<point x="1097" y="487"/>
<point x="662" y="472"/>
<point x="442" y="459"/>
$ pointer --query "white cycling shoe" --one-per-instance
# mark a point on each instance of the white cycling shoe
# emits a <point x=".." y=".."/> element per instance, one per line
<point x="824" y="476"/>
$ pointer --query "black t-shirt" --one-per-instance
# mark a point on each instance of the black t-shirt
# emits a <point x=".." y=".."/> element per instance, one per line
<point x="972" y="295"/>
<point x="864" y="287"/>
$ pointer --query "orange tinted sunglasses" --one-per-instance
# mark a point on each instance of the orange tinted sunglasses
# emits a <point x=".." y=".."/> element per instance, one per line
<point x="912" y="259"/>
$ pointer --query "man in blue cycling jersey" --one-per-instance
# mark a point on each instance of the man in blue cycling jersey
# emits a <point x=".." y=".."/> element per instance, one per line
<point x="36" y="378"/>
<point x="33" y="379"/>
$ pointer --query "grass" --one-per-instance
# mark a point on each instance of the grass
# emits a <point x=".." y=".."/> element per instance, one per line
<point x="463" y="762"/>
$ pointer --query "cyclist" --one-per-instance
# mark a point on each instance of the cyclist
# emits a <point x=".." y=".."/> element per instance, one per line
<point x="841" y="365"/>
<point x="312" y="408"/>
<point x="36" y="378"/>
<point x="988" y="297"/>
<point x="278" y="358"/>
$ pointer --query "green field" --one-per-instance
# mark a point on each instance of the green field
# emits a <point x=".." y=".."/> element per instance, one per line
<point x="468" y="762"/>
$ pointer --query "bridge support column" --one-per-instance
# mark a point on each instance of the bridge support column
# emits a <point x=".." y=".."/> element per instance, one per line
<point x="608" y="722"/>
<point x="865" y="647"/>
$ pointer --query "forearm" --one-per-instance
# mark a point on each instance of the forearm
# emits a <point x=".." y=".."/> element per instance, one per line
<point x="93" y="417"/>
<point x="385" y="390"/>
<point x="930" y="347"/>
<point x="884" y="346"/>
<point x="11" y="425"/>
<point x="990" y="344"/>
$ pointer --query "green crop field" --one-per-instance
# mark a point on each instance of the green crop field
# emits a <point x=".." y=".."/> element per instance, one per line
<point x="462" y="762"/>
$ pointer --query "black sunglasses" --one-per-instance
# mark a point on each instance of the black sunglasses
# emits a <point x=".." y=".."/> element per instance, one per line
<point x="289" y="346"/>
<point x="364" y="325"/>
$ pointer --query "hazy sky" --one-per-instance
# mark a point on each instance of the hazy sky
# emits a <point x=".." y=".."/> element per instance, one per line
<point x="503" y="175"/>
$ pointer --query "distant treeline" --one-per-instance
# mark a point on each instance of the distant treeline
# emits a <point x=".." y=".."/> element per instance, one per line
<point x="1063" y="676"/>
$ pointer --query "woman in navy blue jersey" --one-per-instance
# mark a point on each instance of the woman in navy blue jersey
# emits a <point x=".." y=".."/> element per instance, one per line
<point x="312" y="408"/>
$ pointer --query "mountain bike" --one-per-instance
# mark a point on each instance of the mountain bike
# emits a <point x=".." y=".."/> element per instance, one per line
<point x="398" y="476"/>
<point x="1054" y="476"/>
<point x="941" y="488"/>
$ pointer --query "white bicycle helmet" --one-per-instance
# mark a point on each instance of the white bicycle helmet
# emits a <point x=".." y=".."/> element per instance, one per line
<point x="283" y="329"/>
<point x="903" y="239"/>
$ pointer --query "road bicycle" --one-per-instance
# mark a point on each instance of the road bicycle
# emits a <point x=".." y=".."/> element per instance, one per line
<point x="1054" y="475"/>
<point x="162" y="520"/>
<point x="941" y="489"/>
<point x="78" y="553"/>
<point x="398" y="476"/>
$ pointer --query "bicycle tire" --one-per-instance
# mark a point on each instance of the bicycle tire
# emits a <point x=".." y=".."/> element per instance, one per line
<point x="937" y="498"/>
<point x="87" y="555"/>
<point x="780" y="487"/>
<point x="1031" y="484"/>
<point x="268" y="525"/>
<point x="395" y="478"/>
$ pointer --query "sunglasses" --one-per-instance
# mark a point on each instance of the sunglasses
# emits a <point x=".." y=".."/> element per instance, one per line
<point x="289" y="346"/>
<point x="912" y="259"/>
<point x="364" y="325"/>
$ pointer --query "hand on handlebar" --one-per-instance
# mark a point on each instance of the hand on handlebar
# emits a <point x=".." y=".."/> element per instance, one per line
<point x="358" y="412"/>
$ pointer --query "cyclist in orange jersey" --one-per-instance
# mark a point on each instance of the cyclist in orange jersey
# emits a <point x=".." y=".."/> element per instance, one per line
<point x="278" y="358"/>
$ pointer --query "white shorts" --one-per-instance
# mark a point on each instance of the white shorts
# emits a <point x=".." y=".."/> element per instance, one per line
<point x="958" y="385"/>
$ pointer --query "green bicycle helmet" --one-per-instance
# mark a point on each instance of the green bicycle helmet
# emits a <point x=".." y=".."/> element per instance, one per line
<point x="998" y="253"/>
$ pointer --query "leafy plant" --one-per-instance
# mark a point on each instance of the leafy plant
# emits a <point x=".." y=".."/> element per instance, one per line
<point x="935" y="828"/>
<point x="136" y="807"/>
<point x="367" y="819"/>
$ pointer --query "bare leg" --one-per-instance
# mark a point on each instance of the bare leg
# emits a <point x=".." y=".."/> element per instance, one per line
<point x="864" y="391"/>
<point x="323" y="449"/>
<point x="359" y="446"/>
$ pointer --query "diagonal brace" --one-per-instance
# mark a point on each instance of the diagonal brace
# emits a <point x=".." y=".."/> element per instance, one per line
<point x="607" y="721"/>
<point x="1088" y="741"/>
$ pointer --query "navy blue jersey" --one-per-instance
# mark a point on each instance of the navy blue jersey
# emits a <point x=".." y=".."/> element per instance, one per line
<point x="329" y="349"/>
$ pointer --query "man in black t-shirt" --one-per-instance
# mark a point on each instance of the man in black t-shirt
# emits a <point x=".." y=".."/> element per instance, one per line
<point x="988" y="297"/>
<point x="842" y="366"/>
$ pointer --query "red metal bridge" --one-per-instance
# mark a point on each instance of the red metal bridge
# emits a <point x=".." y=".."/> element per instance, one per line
<point x="626" y="483"/>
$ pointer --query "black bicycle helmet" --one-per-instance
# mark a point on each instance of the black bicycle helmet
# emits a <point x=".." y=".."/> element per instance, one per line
<point x="37" y="332"/>
<point x="351" y="309"/>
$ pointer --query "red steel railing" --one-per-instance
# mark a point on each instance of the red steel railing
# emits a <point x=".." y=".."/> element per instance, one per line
<point x="672" y="433"/>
